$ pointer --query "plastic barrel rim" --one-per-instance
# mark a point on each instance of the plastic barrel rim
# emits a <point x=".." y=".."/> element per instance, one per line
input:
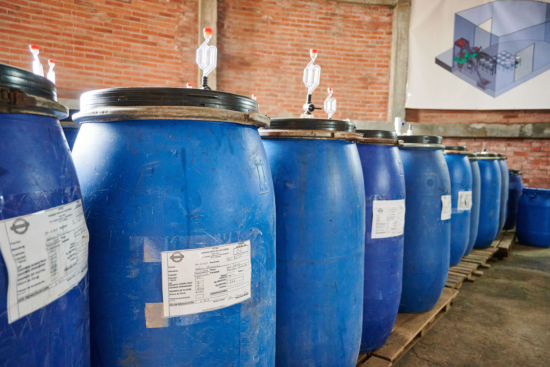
<point x="26" y="93"/>
<point x="27" y="82"/>
<point x="160" y="96"/>
<point x="311" y="124"/>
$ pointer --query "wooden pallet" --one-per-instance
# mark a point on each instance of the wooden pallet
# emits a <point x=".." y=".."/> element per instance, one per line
<point x="463" y="271"/>
<point x="505" y="245"/>
<point x="374" y="361"/>
<point x="407" y="331"/>
<point x="481" y="256"/>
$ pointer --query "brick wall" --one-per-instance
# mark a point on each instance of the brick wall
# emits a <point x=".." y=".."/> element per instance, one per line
<point x="264" y="48"/>
<point x="530" y="156"/>
<point x="103" y="43"/>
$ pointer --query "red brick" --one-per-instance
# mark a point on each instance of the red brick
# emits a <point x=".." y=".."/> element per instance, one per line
<point x="269" y="60"/>
<point x="82" y="36"/>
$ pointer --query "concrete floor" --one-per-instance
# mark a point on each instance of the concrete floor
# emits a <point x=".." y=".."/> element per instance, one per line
<point x="502" y="319"/>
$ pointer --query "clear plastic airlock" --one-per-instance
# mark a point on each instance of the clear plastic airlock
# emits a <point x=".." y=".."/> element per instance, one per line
<point x="330" y="104"/>
<point x="51" y="73"/>
<point x="312" y="73"/>
<point x="312" y="77"/>
<point x="398" y="123"/>
<point x="36" y="65"/>
<point x="207" y="57"/>
<point x="254" y="98"/>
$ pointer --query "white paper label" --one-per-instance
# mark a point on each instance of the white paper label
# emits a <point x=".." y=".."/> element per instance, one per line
<point x="46" y="254"/>
<point x="388" y="218"/>
<point x="205" y="279"/>
<point x="446" y="208"/>
<point x="464" y="200"/>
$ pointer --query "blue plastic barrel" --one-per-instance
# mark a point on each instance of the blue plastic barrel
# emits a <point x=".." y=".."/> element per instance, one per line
<point x="476" y="202"/>
<point x="70" y="128"/>
<point x="320" y="196"/>
<point x="37" y="174"/>
<point x="460" y="172"/>
<point x="184" y="171"/>
<point x="489" y="210"/>
<point x="504" y="191"/>
<point x="384" y="220"/>
<point x="427" y="222"/>
<point x="533" y="222"/>
<point x="515" y="190"/>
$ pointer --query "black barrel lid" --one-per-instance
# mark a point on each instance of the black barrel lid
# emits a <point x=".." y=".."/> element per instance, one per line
<point x="311" y="124"/>
<point x="514" y="172"/>
<point x="166" y="97"/>
<point x="485" y="154"/>
<point x="421" y="139"/>
<point x="456" y="147"/>
<point x="378" y="134"/>
<point x="503" y="156"/>
<point x="25" y="81"/>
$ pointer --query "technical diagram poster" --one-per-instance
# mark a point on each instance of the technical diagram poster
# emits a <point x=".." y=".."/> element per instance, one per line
<point x="479" y="54"/>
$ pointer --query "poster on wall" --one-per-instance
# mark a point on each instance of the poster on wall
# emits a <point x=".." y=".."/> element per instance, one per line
<point x="479" y="55"/>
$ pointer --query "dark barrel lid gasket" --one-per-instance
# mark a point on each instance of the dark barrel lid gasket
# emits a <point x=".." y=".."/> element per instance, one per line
<point x="311" y="124"/>
<point x="27" y="82"/>
<point x="421" y="139"/>
<point x="378" y="134"/>
<point x="484" y="156"/>
<point x="166" y="97"/>
<point x="514" y="172"/>
<point x="456" y="147"/>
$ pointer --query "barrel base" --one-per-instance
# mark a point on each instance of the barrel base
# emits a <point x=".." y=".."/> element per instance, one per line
<point x="380" y="332"/>
<point x="534" y="239"/>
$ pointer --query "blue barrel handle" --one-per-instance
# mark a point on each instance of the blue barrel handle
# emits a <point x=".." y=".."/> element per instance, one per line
<point x="531" y="194"/>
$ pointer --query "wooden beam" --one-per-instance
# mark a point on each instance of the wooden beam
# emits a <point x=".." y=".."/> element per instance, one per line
<point x="399" y="62"/>
<point x="208" y="17"/>
<point x="537" y="130"/>
<point x="369" y="2"/>
<point x="71" y="103"/>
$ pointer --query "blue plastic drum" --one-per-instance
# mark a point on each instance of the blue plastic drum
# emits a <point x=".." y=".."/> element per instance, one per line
<point x="476" y="202"/>
<point x="515" y="190"/>
<point x="44" y="314"/>
<point x="320" y="197"/>
<point x="489" y="210"/>
<point x="533" y="224"/>
<point x="427" y="222"/>
<point x="504" y="191"/>
<point x="460" y="172"/>
<point x="384" y="220"/>
<point x="181" y="211"/>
